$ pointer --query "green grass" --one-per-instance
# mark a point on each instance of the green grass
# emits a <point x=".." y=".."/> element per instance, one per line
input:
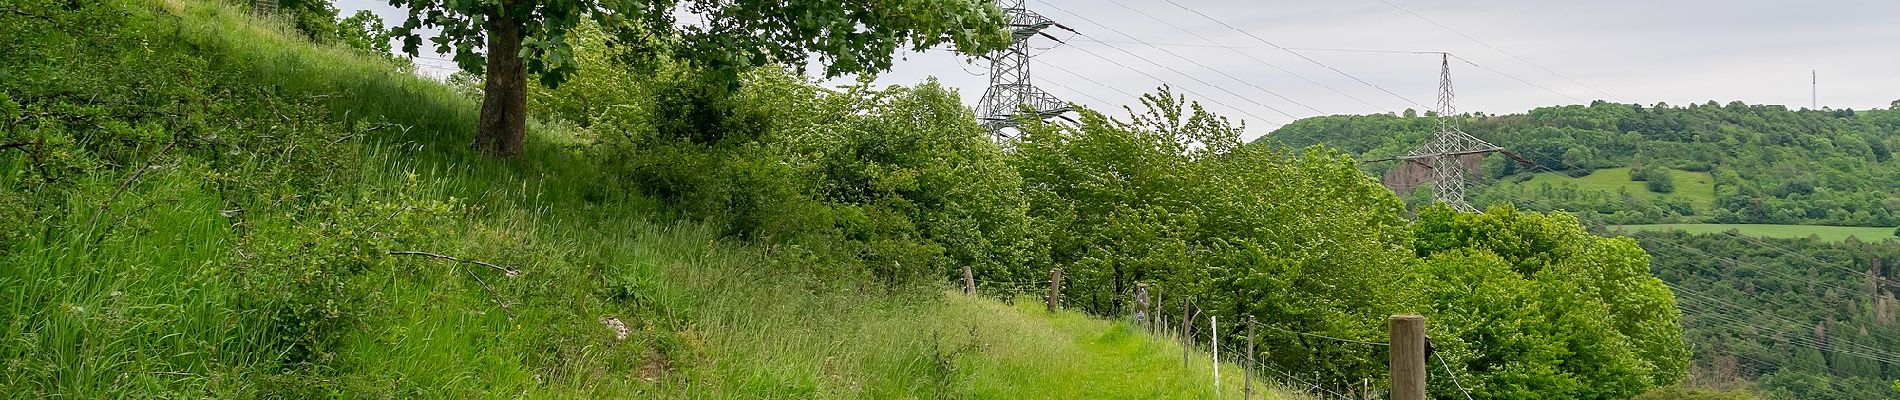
<point x="1025" y="349"/>
<point x="1825" y="233"/>
<point x="1696" y="187"/>
<point x="175" y="298"/>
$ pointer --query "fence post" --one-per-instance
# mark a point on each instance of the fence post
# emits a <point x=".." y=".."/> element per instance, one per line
<point x="1213" y="340"/>
<point x="1055" y="288"/>
<point x="969" y="282"/>
<point x="1187" y="332"/>
<point x="1246" y="392"/>
<point x="1156" y="329"/>
<point x="1408" y="357"/>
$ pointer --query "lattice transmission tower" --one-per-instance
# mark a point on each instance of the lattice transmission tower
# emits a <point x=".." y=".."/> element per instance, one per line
<point x="1010" y="90"/>
<point x="1445" y="153"/>
<point x="264" y="8"/>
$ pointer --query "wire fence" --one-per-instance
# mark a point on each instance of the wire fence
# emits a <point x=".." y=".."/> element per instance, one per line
<point x="1183" y="330"/>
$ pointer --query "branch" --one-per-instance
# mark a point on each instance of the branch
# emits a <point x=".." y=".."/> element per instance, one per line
<point x="16" y="145"/>
<point x="492" y="296"/>
<point x="504" y="270"/>
<point x="127" y="184"/>
<point x="121" y="221"/>
<point x="25" y="13"/>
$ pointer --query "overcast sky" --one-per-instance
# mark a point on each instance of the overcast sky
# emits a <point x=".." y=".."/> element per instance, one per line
<point x="1630" y="51"/>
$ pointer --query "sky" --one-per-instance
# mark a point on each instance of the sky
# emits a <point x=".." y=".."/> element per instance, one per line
<point x="1257" y="61"/>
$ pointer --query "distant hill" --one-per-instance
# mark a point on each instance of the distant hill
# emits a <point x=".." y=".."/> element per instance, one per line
<point x="1764" y="164"/>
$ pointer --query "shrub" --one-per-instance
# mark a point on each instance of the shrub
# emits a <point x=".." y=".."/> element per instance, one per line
<point x="1661" y="180"/>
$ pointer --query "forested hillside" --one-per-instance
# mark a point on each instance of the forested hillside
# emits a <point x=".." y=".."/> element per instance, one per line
<point x="1769" y="164"/>
<point x="1808" y="318"/>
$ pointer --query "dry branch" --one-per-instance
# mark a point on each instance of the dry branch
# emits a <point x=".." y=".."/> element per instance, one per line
<point x="492" y="295"/>
<point x="505" y="270"/>
<point x="149" y="165"/>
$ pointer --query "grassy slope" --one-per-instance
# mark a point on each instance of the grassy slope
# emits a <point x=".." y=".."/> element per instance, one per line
<point x="1826" y="233"/>
<point x="155" y="309"/>
<point x="1697" y="187"/>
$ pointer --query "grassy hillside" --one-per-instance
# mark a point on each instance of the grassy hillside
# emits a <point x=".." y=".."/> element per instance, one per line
<point x="1826" y="233"/>
<point x="205" y="205"/>
<point x="1698" y="188"/>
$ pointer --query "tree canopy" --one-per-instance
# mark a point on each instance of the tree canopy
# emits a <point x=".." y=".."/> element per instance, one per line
<point x="506" y="40"/>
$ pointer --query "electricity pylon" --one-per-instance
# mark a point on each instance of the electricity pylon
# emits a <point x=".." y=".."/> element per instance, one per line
<point x="1441" y="154"/>
<point x="1010" y="90"/>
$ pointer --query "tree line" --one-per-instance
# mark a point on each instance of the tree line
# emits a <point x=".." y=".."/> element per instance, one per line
<point x="1770" y="164"/>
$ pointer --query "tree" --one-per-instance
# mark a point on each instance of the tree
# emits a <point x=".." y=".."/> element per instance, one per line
<point x="506" y="40"/>
<point x="1582" y="318"/>
<point x="1661" y="180"/>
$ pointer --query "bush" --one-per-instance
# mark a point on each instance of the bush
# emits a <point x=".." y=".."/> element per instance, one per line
<point x="1660" y="180"/>
<point x="1685" y="393"/>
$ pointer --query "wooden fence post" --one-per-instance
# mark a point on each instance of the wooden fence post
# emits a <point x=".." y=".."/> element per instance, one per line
<point x="1055" y="288"/>
<point x="969" y="282"/>
<point x="1187" y="332"/>
<point x="1408" y="357"/>
<point x="1154" y="313"/>
<point x="1246" y="392"/>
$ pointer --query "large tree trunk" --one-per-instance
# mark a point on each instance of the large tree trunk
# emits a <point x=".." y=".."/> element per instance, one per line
<point x="504" y="120"/>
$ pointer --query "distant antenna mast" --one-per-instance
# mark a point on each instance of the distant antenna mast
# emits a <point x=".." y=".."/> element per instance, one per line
<point x="1443" y="153"/>
<point x="1814" y="90"/>
<point x="1010" y="90"/>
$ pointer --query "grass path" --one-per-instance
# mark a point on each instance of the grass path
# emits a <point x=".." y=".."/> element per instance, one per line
<point x="1026" y="352"/>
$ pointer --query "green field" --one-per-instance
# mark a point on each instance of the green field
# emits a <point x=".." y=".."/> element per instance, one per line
<point x="1826" y="233"/>
<point x="1697" y="187"/>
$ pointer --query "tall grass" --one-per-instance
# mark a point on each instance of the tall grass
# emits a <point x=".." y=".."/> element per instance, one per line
<point x="182" y="287"/>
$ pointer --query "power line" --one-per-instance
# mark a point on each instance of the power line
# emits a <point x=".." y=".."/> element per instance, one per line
<point x="1296" y="54"/>
<point x="1816" y="261"/>
<point x="1875" y="334"/>
<point x="1797" y="339"/>
<point x="1164" y="81"/>
<point x="1093" y="81"/>
<point x="1513" y="77"/>
<point x="1892" y="357"/>
<point x="1242" y="53"/>
<point x="1446" y="53"/>
<point x="1830" y="382"/>
<point x="1495" y="48"/>
<point x="1197" y="63"/>
<point x="1363" y="50"/>
<point x="1072" y="90"/>
<point x="1777" y="272"/>
<point x="1210" y="46"/>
